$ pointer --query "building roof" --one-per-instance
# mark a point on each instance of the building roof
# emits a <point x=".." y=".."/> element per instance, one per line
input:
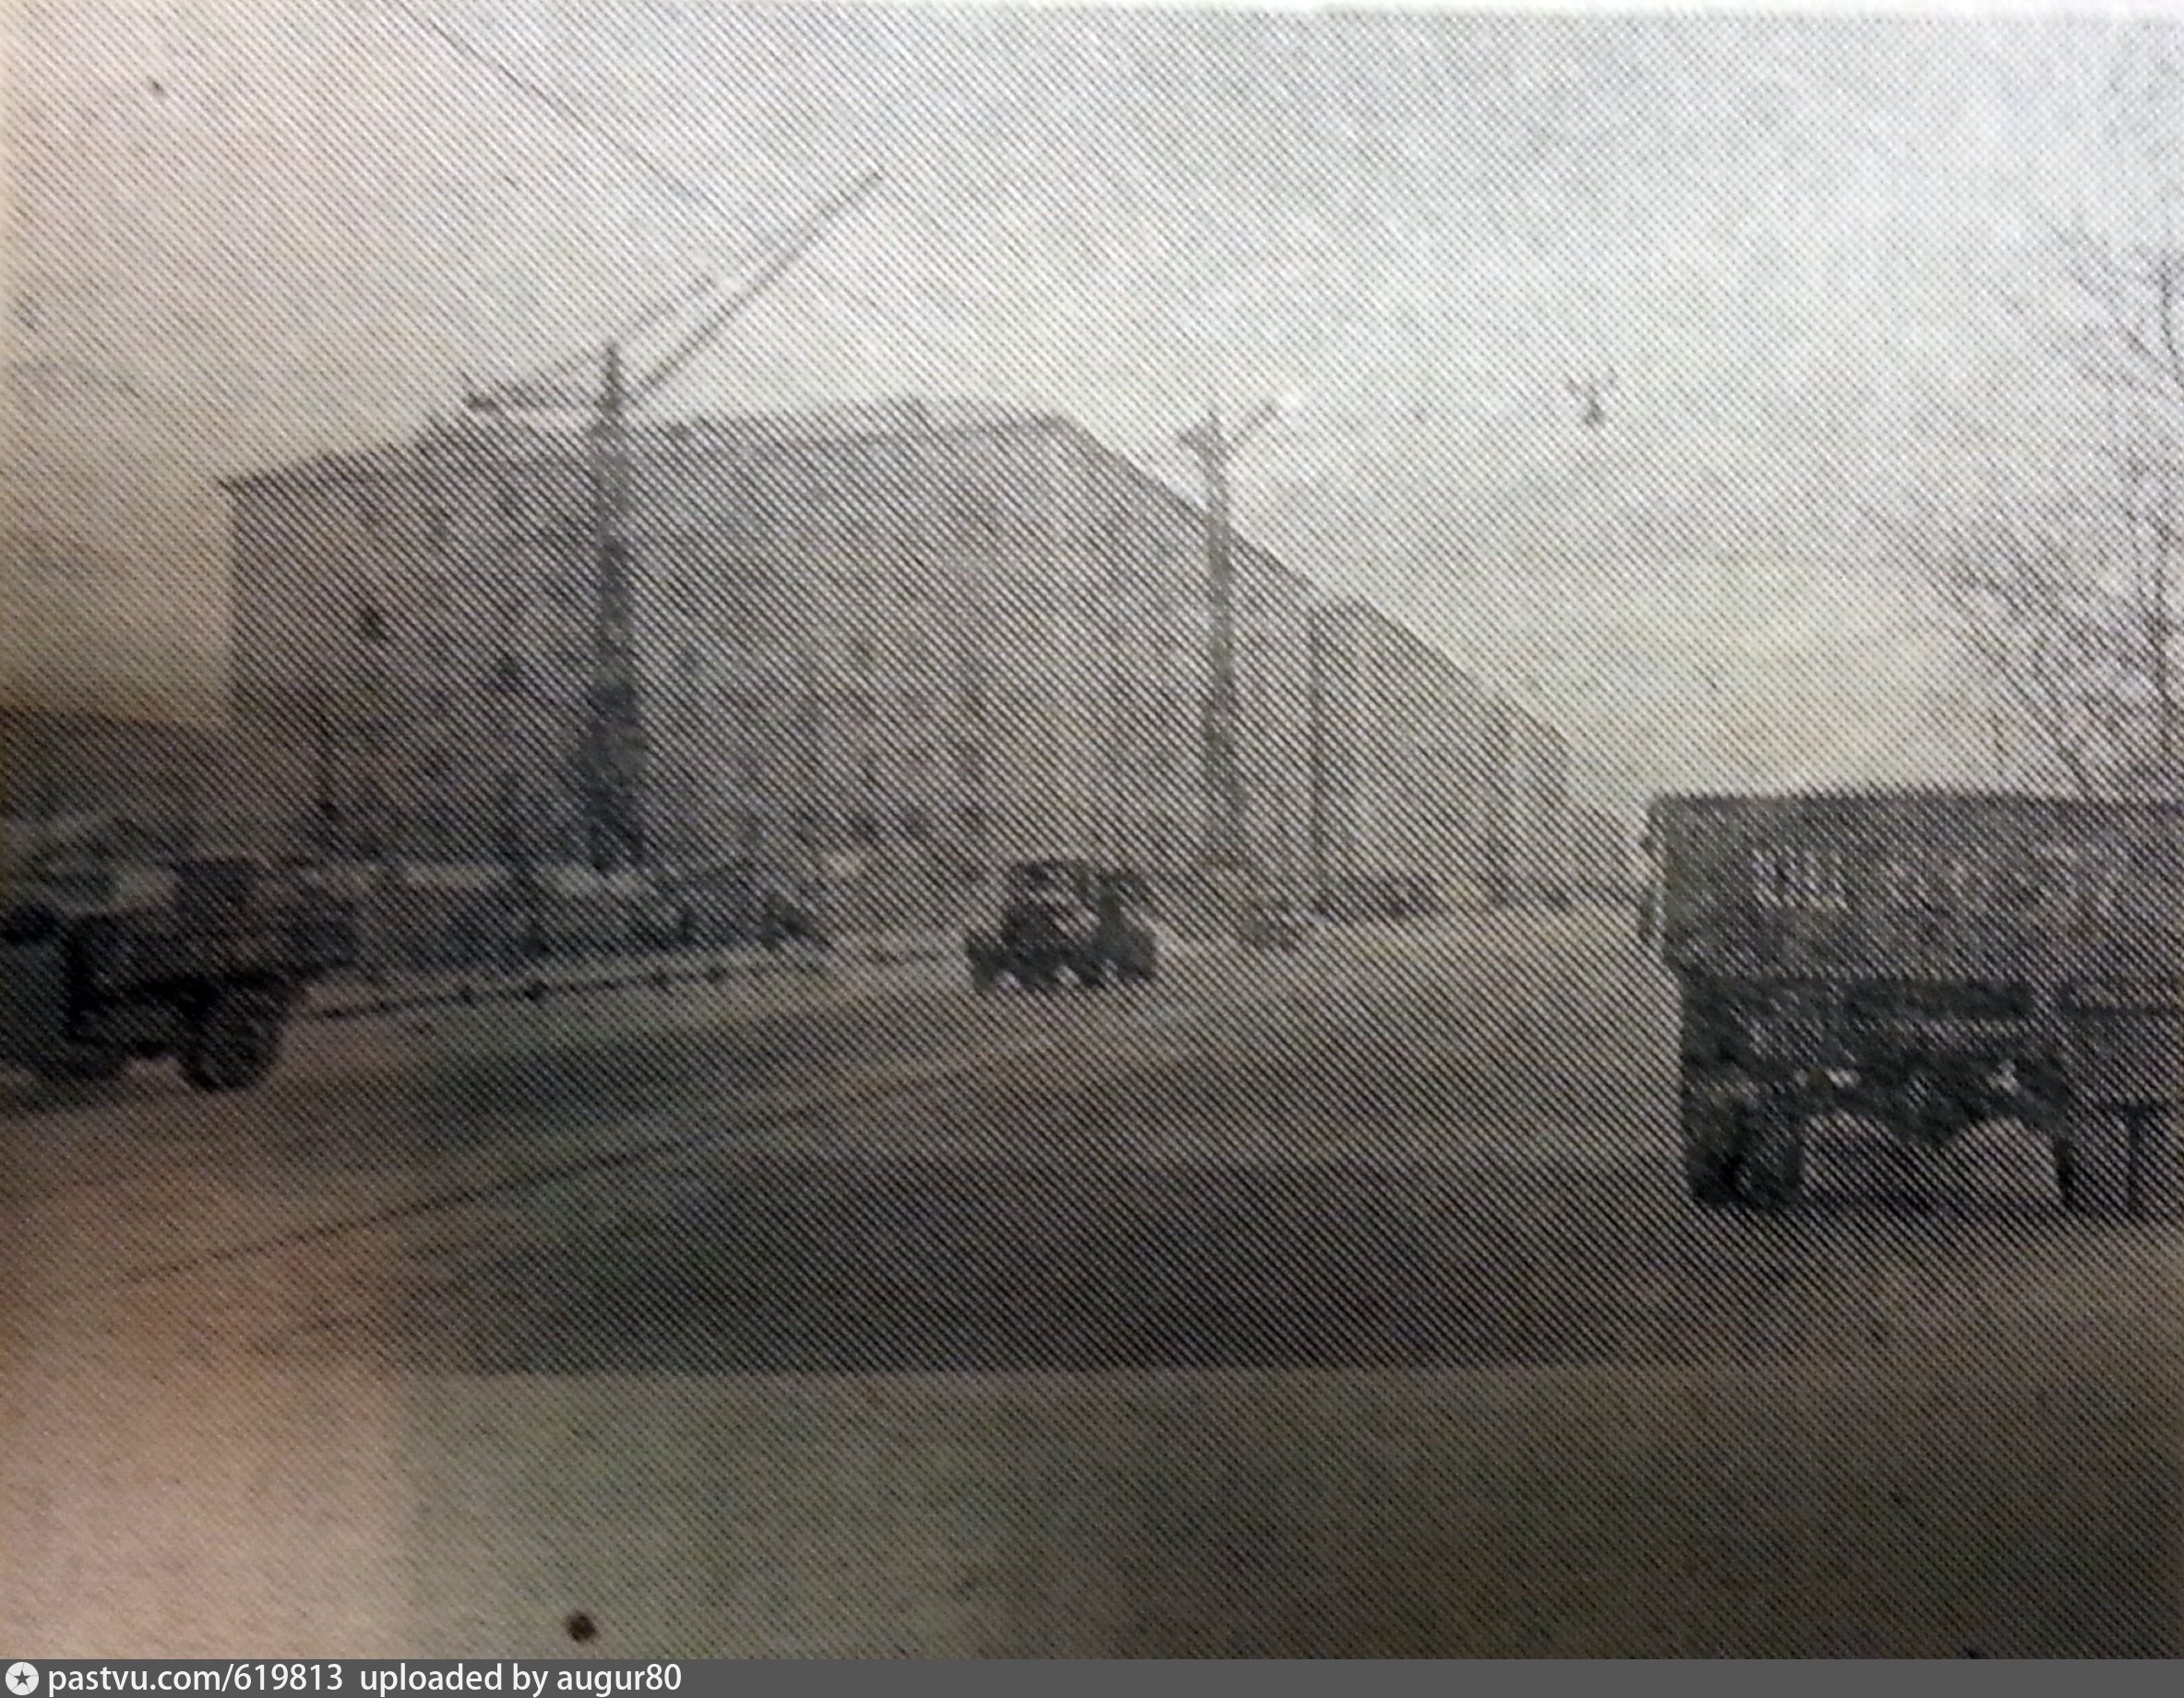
<point x="744" y="436"/>
<point x="523" y="440"/>
<point x="1396" y="635"/>
<point x="513" y="439"/>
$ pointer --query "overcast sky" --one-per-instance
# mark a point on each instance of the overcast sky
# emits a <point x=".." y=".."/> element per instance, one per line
<point x="247" y="231"/>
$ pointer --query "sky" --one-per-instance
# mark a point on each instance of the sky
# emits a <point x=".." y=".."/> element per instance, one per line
<point x="1815" y="257"/>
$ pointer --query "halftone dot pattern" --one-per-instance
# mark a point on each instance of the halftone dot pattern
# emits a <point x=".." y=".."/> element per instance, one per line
<point x="700" y="1265"/>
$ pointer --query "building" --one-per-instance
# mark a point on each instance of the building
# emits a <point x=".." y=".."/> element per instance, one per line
<point x="1601" y="864"/>
<point x="883" y="648"/>
<point x="891" y="647"/>
<point x="1401" y="792"/>
<point x="1527" y="842"/>
<point x="162" y="784"/>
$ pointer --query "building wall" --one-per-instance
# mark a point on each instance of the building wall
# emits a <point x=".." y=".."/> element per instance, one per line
<point x="1142" y="569"/>
<point x="429" y="603"/>
<point x="888" y="650"/>
<point x="1349" y="802"/>
<point x="1144" y="573"/>
<point x="1531" y="858"/>
<point x="1402" y="752"/>
<point x="899" y="654"/>
<point x="859" y="657"/>
<point x="1274" y="672"/>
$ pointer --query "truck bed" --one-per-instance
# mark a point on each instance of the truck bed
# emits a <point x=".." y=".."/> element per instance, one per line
<point x="1921" y="886"/>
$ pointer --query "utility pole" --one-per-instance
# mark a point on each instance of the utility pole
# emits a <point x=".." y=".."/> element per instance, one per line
<point x="613" y="769"/>
<point x="2158" y="637"/>
<point x="1228" y="852"/>
<point x="612" y="756"/>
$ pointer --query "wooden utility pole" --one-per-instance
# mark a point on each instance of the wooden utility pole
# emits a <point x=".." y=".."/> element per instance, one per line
<point x="1228" y="852"/>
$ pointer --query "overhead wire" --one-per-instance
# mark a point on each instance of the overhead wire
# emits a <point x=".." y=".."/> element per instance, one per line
<point x="463" y="48"/>
<point x="683" y="189"/>
<point x="658" y="313"/>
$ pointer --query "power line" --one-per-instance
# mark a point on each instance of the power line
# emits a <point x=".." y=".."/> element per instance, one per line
<point x="786" y="250"/>
<point x="791" y="250"/>
<point x="630" y="329"/>
<point x="683" y="189"/>
<point x="538" y="91"/>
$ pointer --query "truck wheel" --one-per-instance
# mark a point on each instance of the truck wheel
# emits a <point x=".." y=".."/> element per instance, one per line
<point x="1712" y="1137"/>
<point x="2092" y="1163"/>
<point x="1771" y="1173"/>
<point x="234" y="1040"/>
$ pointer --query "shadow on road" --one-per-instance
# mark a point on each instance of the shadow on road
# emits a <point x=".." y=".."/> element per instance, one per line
<point x="908" y="1266"/>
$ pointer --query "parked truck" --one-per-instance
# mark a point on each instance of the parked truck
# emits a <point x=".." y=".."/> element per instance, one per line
<point x="203" y="960"/>
<point x="1928" y="962"/>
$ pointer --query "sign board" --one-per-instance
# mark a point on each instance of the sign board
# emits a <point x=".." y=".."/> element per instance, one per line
<point x="1935" y="886"/>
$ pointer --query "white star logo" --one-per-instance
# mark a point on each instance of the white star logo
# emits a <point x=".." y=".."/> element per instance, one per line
<point x="23" y="1680"/>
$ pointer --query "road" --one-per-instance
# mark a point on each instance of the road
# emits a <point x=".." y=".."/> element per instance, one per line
<point x="1340" y="1304"/>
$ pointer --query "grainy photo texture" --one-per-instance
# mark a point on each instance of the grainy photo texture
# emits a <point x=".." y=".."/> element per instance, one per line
<point x="950" y="831"/>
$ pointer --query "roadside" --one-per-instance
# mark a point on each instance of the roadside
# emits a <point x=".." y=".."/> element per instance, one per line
<point x="479" y="1112"/>
<point x="362" y="995"/>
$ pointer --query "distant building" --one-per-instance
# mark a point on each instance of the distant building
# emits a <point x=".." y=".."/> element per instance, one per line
<point x="156" y="782"/>
<point x="1525" y="850"/>
<point x="1401" y="791"/>
<point x="891" y="647"/>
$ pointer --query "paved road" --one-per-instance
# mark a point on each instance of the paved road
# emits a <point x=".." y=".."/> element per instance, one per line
<point x="1334" y="1305"/>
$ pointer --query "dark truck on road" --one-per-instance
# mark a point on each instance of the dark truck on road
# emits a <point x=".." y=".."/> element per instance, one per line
<point x="1065" y="918"/>
<point x="203" y="960"/>
<point x="1928" y="961"/>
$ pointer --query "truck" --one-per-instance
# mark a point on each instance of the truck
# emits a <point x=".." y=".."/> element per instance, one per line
<point x="203" y="960"/>
<point x="1065" y="918"/>
<point x="1927" y="962"/>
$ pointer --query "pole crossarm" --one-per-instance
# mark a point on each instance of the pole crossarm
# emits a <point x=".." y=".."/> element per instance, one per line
<point x="794" y="247"/>
<point x="612" y="757"/>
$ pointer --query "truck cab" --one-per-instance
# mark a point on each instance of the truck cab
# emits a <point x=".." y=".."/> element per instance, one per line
<point x="1065" y="919"/>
